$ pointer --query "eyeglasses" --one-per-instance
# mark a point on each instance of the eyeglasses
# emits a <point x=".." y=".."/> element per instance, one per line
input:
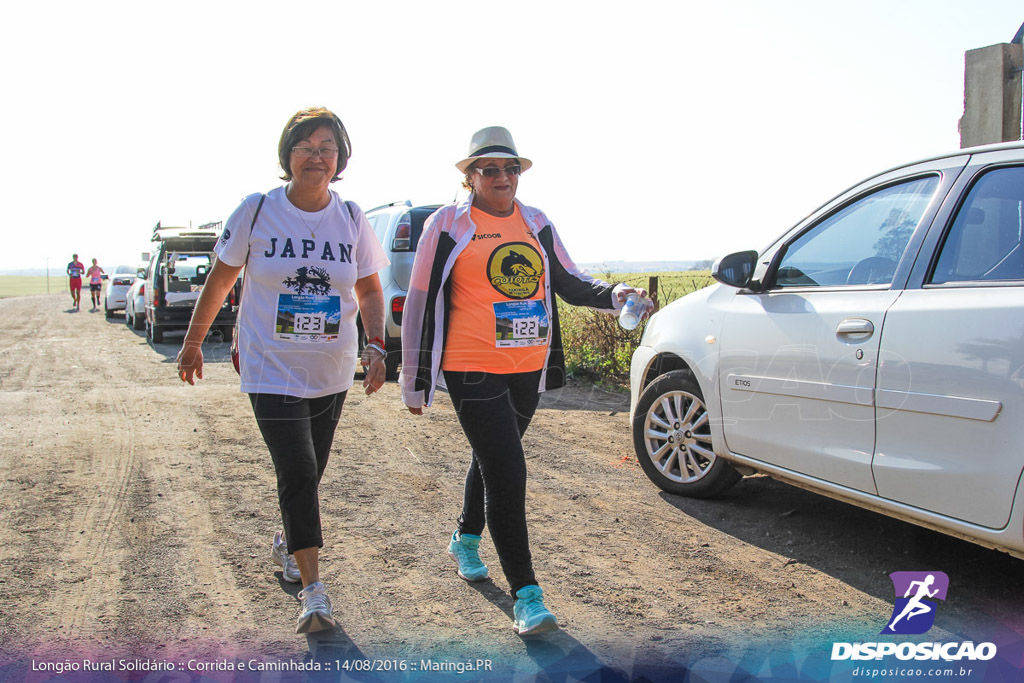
<point x="323" y="152"/>
<point x="495" y="171"/>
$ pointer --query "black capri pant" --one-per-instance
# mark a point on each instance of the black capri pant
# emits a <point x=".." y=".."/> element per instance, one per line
<point x="494" y="411"/>
<point x="299" y="433"/>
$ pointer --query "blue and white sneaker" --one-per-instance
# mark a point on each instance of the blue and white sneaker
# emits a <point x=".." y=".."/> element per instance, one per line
<point x="530" y="615"/>
<point x="464" y="549"/>
<point x="289" y="570"/>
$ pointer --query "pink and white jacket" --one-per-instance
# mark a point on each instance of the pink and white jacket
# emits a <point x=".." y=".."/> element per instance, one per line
<point x="445" y="235"/>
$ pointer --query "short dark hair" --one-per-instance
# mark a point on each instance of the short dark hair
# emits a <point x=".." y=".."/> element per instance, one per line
<point x="301" y="126"/>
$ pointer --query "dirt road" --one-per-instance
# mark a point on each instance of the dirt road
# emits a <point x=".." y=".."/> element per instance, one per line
<point x="137" y="515"/>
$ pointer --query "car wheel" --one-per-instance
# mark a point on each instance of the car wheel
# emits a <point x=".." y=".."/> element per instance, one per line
<point x="128" y="318"/>
<point x="227" y="333"/>
<point x="156" y="333"/>
<point x="106" y="309"/>
<point x="672" y="438"/>
<point x="140" y="321"/>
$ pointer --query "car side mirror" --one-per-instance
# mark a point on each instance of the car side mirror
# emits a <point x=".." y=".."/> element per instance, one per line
<point x="735" y="269"/>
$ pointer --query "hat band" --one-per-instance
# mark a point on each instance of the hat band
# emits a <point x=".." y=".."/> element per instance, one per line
<point x="494" y="148"/>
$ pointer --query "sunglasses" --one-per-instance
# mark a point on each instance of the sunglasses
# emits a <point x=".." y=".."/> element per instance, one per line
<point x="495" y="171"/>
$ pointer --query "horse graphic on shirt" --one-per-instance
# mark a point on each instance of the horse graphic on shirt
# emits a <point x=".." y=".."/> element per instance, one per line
<point x="309" y="280"/>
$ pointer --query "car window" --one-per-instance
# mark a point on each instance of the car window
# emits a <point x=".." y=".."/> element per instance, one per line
<point x="124" y="270"/>
<point x="862" y="242"/>
<point x="191" y="268"/>
<point x="984" y="241"/>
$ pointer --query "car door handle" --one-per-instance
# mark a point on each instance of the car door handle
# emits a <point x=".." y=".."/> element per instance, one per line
<point x="855" y="327"/>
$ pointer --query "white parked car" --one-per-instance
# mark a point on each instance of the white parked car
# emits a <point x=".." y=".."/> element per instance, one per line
<point x="874" y="353"/>
<point x="135" y="301"/>
<point x="116" y="292"/>
<point x="398" y="227"/>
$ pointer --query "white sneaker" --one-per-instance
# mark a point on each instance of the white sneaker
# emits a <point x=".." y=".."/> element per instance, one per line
<point x="316" y="614"/>
<point x="289" y="570"/>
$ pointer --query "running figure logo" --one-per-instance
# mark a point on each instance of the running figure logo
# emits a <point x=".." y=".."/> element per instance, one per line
<point x="914" y="613"/>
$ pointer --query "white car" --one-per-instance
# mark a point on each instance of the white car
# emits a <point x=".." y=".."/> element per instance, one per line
<point x="135" y="302"/>
<point x="398" y="227"/>
<point x="118" y="283"/>
<point x="874" y="353"/>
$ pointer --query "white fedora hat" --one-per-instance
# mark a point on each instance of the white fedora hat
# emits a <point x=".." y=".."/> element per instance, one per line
<point x="493" y="142"/>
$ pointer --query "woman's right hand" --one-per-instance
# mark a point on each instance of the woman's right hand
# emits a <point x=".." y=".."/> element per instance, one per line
<point x="190" y="362"/>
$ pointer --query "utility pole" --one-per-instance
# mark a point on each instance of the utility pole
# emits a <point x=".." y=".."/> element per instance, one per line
<point x="993" y="110"/>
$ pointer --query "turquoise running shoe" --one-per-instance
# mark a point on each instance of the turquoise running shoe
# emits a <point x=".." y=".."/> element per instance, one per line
<point x="530" y="615"/>
<point x="464" y="549"/>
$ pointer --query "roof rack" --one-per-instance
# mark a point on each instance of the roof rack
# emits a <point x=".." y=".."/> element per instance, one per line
<point x="384" y="206"/>
<point x="162" y="233"/>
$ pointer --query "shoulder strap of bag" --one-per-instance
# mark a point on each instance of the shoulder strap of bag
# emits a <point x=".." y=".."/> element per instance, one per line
<point x="249" y="250"/>
<point x="241" y="285"/>
<point x="253" y="225"/>
<point x="348" y="205"/>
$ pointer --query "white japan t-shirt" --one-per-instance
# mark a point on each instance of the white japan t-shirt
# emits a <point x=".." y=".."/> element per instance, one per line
<point x="296" y="329"/>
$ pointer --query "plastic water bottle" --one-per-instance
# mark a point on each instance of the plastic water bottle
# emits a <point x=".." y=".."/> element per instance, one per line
<point x="631" y="312"/>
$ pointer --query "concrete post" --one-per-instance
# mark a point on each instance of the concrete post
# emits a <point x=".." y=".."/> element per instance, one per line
<point x="992" y="95"/>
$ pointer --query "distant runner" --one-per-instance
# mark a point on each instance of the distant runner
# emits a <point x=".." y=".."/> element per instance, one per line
<point x="95" y="274"/>
<point x="75" y="270"/>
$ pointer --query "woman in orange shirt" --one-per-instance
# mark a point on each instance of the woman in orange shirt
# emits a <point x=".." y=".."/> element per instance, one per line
<point x="480" y="310"/>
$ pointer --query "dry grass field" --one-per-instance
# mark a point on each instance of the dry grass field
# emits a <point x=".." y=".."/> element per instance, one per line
<point x="30" y="285"/>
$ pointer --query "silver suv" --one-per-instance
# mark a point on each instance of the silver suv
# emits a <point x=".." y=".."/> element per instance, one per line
<point x="398" y="226"/>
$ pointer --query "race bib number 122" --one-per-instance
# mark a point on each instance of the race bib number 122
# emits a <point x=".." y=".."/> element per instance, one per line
<point x="520" y="323"/>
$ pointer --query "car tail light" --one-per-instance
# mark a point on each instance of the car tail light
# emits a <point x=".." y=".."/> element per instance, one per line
<point x="397" y="306"/>
<point x="142" y="290"/>
<point x="403" y="235"/>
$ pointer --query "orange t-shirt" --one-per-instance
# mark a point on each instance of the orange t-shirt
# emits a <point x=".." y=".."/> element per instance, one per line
<point x="498" y="321"/>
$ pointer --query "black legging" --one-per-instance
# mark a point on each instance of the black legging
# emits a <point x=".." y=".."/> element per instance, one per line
<point x="495" y="411"/>
<point x="299" y="433"/>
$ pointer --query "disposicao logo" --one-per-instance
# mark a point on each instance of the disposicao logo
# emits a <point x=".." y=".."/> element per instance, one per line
<point x="912" y="614"/>
<point x="914" y="611"/>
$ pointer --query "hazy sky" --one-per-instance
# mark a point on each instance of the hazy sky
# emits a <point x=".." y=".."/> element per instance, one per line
<point x="658" y="130"/>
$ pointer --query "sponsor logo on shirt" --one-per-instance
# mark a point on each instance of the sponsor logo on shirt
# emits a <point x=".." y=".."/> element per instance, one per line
<point x="515" y="270"/>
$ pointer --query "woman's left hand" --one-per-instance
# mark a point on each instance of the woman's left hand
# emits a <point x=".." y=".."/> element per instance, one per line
<point x="627" y="290"/>
<point x="648" y="302"/>
<point x="373" y="364"/>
